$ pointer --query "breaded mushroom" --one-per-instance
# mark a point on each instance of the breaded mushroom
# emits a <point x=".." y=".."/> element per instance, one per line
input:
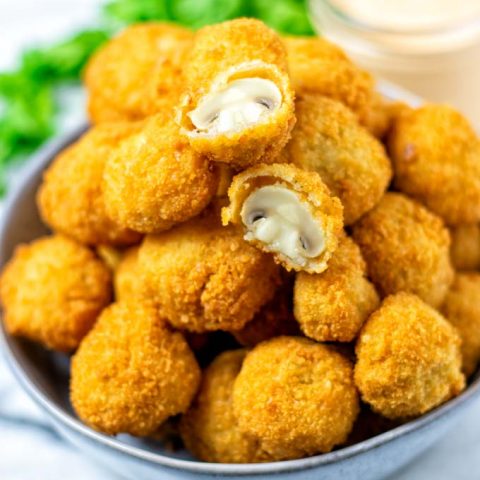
<point x="296" y="397"/>
<point x="436" y="159"/>
<point x="138" y="73"/>
<point x="328" y="139"/>
<point x="206" y="277"/>
<point x="154" y="180"/>
<point x="465" y="247"/>
<point x="131" y="372"/>
<point x="408" y="358"/>
<point x="209" y="428"/>
<point x="70" y="198"/>
<point x="462" y="310"/>
<point x="239" y="106"/>
<point x="332" y="306"/>
<point x="52" y="291"/>
<point x="320" y="67"/>
<point x="406" y="248"/>
<point x="274" y="319"/>
<point x="286" y="211"/>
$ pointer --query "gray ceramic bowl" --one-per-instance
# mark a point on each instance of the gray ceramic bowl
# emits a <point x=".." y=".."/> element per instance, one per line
<point x="44" y="376"/>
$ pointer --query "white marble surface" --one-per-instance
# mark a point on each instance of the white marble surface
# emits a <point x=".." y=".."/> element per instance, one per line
<point x="29" y="448"/>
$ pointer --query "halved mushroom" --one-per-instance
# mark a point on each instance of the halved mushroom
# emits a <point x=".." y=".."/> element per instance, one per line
<point x="288" y="212"/>
<point x="241" y="103"/>
<point x="275" y="216"/>
<point x="238" y="105"/>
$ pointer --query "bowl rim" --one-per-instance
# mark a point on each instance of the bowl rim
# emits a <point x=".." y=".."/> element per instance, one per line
<point x="33" y="168"/>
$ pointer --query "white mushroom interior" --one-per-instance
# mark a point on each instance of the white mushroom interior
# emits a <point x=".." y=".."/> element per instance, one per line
<point x="243" y="102"/>
<point x="275" y="216"/>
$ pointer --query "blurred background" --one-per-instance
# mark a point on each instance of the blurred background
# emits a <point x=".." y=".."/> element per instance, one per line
<point x="44" y="45"/>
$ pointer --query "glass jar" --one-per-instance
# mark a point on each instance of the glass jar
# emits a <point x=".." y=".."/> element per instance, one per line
<point x="431" y="47"/>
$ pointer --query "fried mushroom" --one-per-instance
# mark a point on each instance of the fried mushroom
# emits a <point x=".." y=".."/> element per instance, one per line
<point x="436" y="160"/>
<point x="132" y="372"/>
<point x="332" y="306"/>
<point x="288" y="212"/>
<point x="209" y="429"/>
<point x="296" y="397"/>
<point x="408" y="358"/>
<point x="406" y="248"/>
<point x="70" y="198"/>
<point x="154" y="180"/>
<point x="328" y="139"/>
<point x="238" y="107"/>
<point x="206" y="277"/>
<point x="138" y="73"/>
<point x="52" y="291"/>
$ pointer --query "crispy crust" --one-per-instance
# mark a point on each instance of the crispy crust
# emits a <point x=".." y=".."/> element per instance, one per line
<point x="406" y="248"/>
<point x="296" y="397"/>
<point x="462" y="310"/>
<point x="52" y="291"/>
<point x="154" y="180"/>
<point x="436" y="159"/>
<point x="70" y="198"/>
<point x="227" y="51"/>
<point x="327" y="139"/>
<point x="206" y="277"/>
<point x="138" y="73"/>
<point x="318" y="66"/>
<point x="408" y="358"/>
<point x="132" y="372"/>
<point x="209" y="429"/>
<point x="326" y="209"/>
<point x="332" y="306"/>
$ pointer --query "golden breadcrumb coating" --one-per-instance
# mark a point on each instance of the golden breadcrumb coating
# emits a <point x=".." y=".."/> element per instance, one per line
<point x="52" y="291"/>
<point x="406" y="248"/>
<point x="206" y="277"/>
<point x="318" y="66"/>
<point x="138" y="73"/>
<point x="209" y="429"/>
<point x="132" y="372"/>
<point x="436" y="159"/>
<point x="332" y="306"/>
<point x="296" y="397"/>
<point x="408" y="358"/>
<point x="154" y="180"/>
<point x="328" y="139"/>
<point x="462" y="310"/>
<point x="238" y="49"/>
<point x="274" y="319"/>
<point x="70" y="198"/>
<point x="465" y="247"/>
<point x="128" y="281"/>
<point x="325" y="209"/>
